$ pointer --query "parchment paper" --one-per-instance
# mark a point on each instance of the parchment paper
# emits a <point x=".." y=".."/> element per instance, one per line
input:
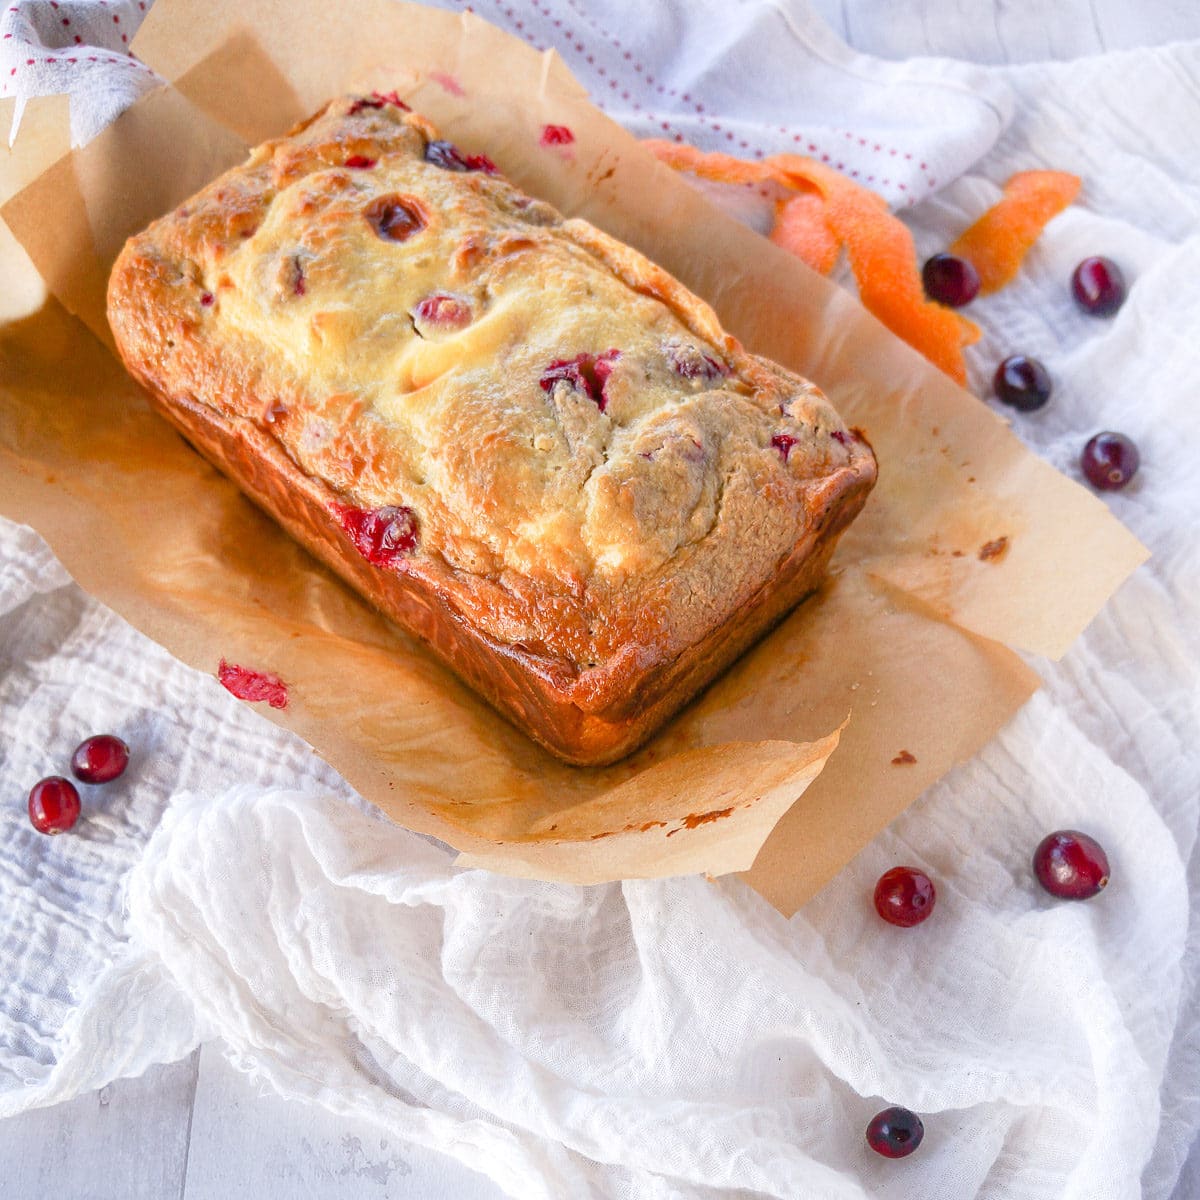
<point x="908" y="650"/>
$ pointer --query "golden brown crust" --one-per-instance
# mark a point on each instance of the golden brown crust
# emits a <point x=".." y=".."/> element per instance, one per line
<point x="415" y="365"/>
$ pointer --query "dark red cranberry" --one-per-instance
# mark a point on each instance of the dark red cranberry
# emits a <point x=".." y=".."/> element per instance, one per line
<point x="395" y="219"/>
<point x="1071" y="865"/>
<point x="556" y="135"/>
<point x="100" y="759"/>
<point x="1098" y="286"/>
<point x="207" y="299"/>
<point x="450" y="158"/>
<point x="1022" y="382"/>
<point x="53" y="805"/>
<point x="1110" y="461"/>
<point x="360" y="162"/>
<point x="783" y="442"/>
<point x="442" y="309"/>
<point x="950" y="280"/>
<point x="904" y="896"/>
<point x="895" y="1133"/>
<point x="383" y="536"/>
<point x="586" y="373"/>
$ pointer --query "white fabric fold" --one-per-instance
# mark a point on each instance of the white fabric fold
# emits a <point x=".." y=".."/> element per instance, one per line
<point x="678" y="1038"/>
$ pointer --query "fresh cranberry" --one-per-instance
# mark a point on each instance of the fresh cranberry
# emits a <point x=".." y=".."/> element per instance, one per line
<point x="1110" y="461"/>
<point x="99" y="759"/>
<point x="895" y="1133"/>
<point x="1022" y="382"/>
<point x="450" y="158"/>
<point x="783" y="442"/>
<point x="53" y="805"/>
<point x="360" y="162"/>
<point x="394" y="219"/>
<point x="950" y="280"/>
<point x="586" y="373"/>
<point x="556" y="135"/>
<point x="442" y="309"/>
<point x="383" y="536"/>
<point x="1071" y="865"/>
<point x="904" y="896"/>
<point x="1098" y="286"/>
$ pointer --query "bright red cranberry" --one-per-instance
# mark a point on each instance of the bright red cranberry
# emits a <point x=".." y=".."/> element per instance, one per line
<point x="442" y="309"/>
<point x="783" y="442"/>
<point x="1022" y="382"/>
<point x="904" y="896"/>
<point x="556" y="135"/>
<point x="100" y="759"/>
<point x="895" y="1133"/>
<point x="450" y="158"/>
<point x="360" y="162"/>
<point x="1098" y="286"/>
<point x="1110" y="461"/>
<point x="586" y="373"/>
<point x="950" y="280"/>
<point x="53" y="805"/>
<point x="395" y="219"/>
<point x="1071" y="865"/>
<point x="383" y="536"/>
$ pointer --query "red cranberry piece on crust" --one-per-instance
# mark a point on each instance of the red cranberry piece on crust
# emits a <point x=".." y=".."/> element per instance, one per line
<point x="586" y="373"/>
<point x="360" y="162"/>
<point x="383" y="536"/>
<point x="53" y="805"/>
<point x="450" y="158"/>
<point x="783" y="442"/>
<point x="556" y="135"/>
<point x="100" y="759"/>
<point x="691" y="362"/>
<point x="395" y="219"/>
<point x="444" y="310"/>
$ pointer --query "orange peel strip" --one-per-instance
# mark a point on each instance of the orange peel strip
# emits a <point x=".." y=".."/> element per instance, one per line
<point x="722" y="168"/>
<point x="801" y="227"/>
<point x="997" y="243"/>
<point x="880" y="248"/>
<point x="883" y="258"/>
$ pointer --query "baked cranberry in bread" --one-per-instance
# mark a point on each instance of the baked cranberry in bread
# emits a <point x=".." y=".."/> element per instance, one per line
<point x="519" y="438"/>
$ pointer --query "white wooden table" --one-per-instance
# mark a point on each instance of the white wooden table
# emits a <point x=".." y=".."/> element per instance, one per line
<point x="197" y="1129"/>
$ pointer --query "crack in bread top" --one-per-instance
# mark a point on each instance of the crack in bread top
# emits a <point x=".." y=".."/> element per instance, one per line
<point x="594" y="468"/>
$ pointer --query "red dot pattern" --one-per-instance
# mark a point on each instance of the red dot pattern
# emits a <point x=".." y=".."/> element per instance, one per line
<point x="612" y="71"/>
<point x="38" y="30"/>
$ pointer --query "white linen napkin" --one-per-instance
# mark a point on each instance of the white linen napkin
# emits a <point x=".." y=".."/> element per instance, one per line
<point x="678" y="1038"/>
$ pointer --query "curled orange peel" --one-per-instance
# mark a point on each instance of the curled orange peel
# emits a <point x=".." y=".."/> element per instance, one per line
<point x="821" y="212"/>
<point x="802" y="227"/>
<point x="997" y="243"/>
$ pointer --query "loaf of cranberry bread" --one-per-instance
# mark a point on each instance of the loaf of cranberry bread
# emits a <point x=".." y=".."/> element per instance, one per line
<point x="517" y="437"/>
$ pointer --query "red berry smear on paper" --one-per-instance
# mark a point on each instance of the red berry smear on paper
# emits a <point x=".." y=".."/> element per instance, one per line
<point x="248" y="684"/>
